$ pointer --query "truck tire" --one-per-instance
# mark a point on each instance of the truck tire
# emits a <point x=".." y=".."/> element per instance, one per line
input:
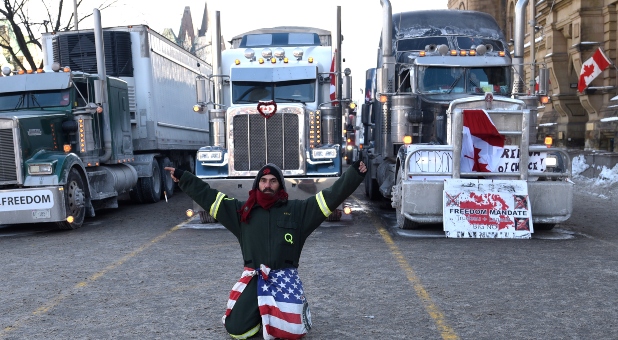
<point x="152" y="187"/>
<point x="335" y="216"/>
<point x="206" y="218"/>
<point x="397" y="202"/>
<point x="75" y="200"/>
<point x="371" y="185"/>
<point x="166" y="178"/>
<point x="544" y="226"/>
<point x="136" y="192"/>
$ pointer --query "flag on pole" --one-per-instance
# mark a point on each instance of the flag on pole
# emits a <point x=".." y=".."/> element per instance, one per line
<point x="592" y="68"/>
<point x="333" y="81"/>
<point x="482" y="144"/>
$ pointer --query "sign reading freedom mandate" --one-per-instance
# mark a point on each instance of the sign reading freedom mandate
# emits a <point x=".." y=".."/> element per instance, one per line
<point x="485" y="208"/>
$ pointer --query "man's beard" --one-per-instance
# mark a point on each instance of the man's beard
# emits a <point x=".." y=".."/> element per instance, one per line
<point x="268" y="191"/>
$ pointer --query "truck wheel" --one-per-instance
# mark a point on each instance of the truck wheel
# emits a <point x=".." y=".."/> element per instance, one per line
<point x="335" y="216"/>
<point x="75" y="200"/>
<point x="544" y="226"/>
<point x="372" y="189"/>
<point x="166" y="178"/>
<point x="152" y="186"/>
<point x="136" y="192"/>
<point x="371" y="185"/>
<point x="397" y="202"/>
<point x="206" y="218"/>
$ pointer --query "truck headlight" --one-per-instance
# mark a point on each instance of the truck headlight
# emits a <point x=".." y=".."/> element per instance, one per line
<point x="41" y="169"/>
<point x="323" y="153"/>
<point x="551" y="161"/>
<point x="209" y="156"/>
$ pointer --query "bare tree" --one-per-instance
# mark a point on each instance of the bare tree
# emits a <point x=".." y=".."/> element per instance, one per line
<point x="27" y="31"/>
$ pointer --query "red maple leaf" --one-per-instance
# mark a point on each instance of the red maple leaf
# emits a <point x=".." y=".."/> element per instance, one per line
<point x="478" y="166"/>
<point x="588" y="69"/>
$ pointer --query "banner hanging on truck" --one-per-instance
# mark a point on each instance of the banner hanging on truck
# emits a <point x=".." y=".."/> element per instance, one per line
<point x="484" y="208"/>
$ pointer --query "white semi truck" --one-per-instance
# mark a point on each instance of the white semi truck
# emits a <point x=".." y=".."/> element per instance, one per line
<point x="432" y="67"/>
<point x="278" y="98"/>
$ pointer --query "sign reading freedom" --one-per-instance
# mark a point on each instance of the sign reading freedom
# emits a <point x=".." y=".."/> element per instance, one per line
<point x="484" y="208"/>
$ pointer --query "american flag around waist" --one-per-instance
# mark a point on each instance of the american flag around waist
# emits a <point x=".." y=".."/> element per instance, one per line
<point x="281" y="300"/>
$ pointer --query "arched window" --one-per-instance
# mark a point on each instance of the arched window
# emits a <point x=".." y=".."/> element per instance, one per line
<point x="510" y="22"/>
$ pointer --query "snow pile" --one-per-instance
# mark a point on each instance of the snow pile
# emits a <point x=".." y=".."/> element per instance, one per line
<point x="604" y="185"/>
<point x="606" y="176"/>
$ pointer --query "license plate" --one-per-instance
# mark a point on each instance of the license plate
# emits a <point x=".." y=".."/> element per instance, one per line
<point x="38" y="214"/>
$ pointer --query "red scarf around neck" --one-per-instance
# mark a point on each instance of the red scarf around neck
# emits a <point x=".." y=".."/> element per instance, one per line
<point x="265" y="201"/>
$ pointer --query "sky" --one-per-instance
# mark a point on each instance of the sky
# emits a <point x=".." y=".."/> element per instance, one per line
<point x="361" y="20"/>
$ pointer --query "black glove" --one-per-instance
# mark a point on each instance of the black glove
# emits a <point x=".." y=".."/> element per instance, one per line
<point x="356" y="165"/>
<point x="178" y="173"/>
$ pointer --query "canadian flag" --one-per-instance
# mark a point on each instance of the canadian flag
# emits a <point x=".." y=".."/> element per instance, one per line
<point x="333" y="81"/>
<point x="591" y="69"/>
<point x="482" y="144"/>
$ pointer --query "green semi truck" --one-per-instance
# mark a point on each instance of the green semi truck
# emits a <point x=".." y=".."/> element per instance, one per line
<point x="98" y="123"/>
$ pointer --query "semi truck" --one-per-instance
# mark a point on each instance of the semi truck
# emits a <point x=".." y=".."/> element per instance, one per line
<point x="433" y="66"/>
<point x="278" y="97"/>
<point x="96" y="124"/>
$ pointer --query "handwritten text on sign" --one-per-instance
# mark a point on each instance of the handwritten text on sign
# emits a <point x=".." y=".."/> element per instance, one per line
<point x="509" y="160"/>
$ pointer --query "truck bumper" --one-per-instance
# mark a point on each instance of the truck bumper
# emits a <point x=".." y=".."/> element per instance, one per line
<point x="297" y="188"/>
<point x="33" y="205"/>
<point x="551" y="201"/>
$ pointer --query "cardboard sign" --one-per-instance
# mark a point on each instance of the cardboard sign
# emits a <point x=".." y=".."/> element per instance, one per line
<point x="509" y="160"/>
<point x="485" y="208"/>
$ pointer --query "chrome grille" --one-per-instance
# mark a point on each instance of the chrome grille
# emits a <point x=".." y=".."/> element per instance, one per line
<point x="8" y="168"/>
<point x="258" y="141"/>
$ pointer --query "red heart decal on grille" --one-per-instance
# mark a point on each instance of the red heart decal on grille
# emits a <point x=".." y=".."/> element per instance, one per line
<point x="267" y="109"/>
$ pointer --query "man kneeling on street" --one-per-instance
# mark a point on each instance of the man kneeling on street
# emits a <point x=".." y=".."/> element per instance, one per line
<point x="271" y="231"/>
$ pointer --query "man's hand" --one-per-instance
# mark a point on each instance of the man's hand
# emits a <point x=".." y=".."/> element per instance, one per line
<point x="171" y="170"/>
<point x="362" y="167"/>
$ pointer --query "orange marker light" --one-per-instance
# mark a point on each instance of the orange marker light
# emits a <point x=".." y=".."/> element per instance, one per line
<point x="549" y="141"/>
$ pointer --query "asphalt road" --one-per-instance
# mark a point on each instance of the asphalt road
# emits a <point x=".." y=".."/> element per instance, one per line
<point x="146" y="272"/>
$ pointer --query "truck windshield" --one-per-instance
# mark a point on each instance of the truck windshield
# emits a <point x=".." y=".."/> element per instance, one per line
<point x="296" y="91"/>
<point x="464" y="80"/>
<point x="34" y="99"/>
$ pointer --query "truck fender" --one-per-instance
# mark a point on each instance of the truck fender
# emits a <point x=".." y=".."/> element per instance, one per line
<point x="142" y="164"/>
<point x="73" y="161"/>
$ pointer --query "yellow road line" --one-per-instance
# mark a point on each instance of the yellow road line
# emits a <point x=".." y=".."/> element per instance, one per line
<point x="432" y="309"/>
<point x="45" y="308"/>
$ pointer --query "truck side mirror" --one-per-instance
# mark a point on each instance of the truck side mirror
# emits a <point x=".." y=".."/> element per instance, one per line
<point x="365" y="114"/>
<point x="543" y="81"/>
<point x="98" y="91"/>
<point x="347" y="88"/>
<point x="201" y="89"/>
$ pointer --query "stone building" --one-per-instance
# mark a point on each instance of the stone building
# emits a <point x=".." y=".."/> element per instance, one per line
<point x="566" y="34"/>
<point x="197" y="42"/>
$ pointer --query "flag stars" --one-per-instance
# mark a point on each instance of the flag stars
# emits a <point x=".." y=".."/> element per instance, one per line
<point x="287" y="296"/>
<point x="265" y="288"/>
